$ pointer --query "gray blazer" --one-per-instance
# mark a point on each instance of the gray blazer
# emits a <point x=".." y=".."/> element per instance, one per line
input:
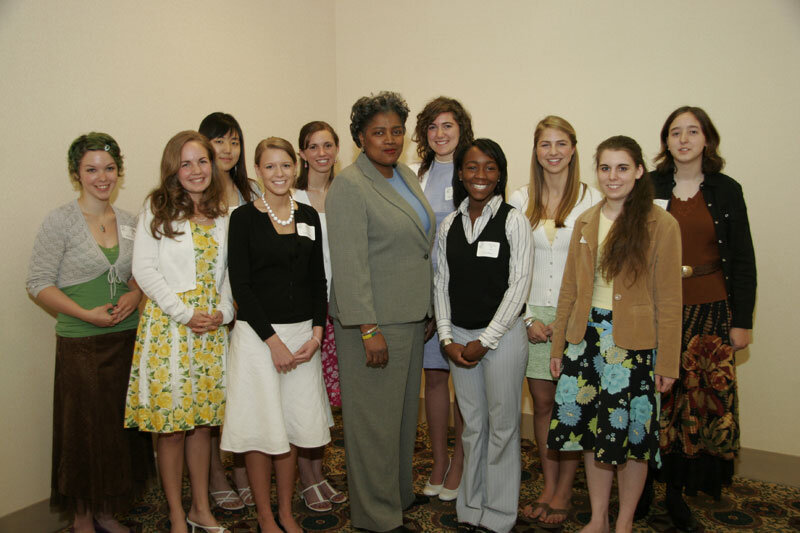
<point x="380" y="252"/>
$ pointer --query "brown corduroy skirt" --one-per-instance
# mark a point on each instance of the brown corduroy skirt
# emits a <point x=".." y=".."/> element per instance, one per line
<point x="96" y="462"/>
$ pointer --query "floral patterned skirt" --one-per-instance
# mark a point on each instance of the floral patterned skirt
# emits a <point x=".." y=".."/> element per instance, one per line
<point x="700" y="416"/>
<point x="606" y="398"/>
<point x="330" y="365"/>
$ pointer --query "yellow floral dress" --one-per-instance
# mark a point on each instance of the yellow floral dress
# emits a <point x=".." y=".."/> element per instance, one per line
<point x="177" y="377"/>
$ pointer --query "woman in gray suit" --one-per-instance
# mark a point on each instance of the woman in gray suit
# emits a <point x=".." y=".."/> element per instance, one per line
<point x="381" y="230"/>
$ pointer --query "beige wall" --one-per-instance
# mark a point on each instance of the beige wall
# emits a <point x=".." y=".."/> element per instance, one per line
<point x="141" y="71"/>
<point x="147" y="70"/>
<point x="620" y="67"/>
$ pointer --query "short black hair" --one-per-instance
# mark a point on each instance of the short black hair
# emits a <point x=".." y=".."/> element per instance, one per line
<point x="367" y="107"/>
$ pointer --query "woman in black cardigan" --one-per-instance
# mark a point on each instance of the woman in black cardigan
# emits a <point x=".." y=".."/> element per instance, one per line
<point x="276" y="397"/>
<point x="699" y="418"/>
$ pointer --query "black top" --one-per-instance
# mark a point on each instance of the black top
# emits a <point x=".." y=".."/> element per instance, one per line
<point x="276" y="279"/>
<point x="725" y="201"/>
<point x="478" y="273"/>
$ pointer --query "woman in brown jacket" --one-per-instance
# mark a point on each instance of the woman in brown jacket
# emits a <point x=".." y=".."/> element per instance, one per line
<point x="624" y="261"/>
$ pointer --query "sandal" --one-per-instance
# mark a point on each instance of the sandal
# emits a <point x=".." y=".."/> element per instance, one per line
<point x="563" y="513"/>
<point x="227" y="499"/>
<point x="534" y="507"/>
<point x="318" y="504"/>
<point x="246" y="495"/>
<point x="336" y="496"/>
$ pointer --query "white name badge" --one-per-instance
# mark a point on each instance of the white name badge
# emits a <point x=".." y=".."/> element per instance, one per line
<point x="488" y="249"/>
<point x="127" y="232"/>
<point x="448" y="193"/>
<point x="304" y="230"/>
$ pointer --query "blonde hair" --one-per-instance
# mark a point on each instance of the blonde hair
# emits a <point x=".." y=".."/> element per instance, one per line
<point x="536" y="209"/>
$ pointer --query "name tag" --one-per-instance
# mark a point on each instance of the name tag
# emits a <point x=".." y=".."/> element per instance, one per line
<point x="448" y="193"/>
<point x="127" y="232"/>
<point x="304" y="230"/>
<point x="488" y="249"/>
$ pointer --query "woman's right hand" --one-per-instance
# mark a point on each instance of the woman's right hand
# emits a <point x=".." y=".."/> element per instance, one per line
<point x="455" y="352"/>
<point x="377" y="351"/>
<point x="201" y="322"/>
<point x="538" y="332"/>
<point x="555" y="367"/>
<point x="281" y="356"/>
<point x="100" y="316"/>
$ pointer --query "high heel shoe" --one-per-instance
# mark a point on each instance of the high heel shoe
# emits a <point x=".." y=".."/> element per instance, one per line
<point x="207" y="529"/>
<point x="435" y="490"/>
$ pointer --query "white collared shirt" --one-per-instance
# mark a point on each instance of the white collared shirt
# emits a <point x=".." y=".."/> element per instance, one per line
<point x="519" y="269"/>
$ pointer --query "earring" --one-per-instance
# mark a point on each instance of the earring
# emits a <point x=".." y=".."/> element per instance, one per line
<point x="305" y="163"/>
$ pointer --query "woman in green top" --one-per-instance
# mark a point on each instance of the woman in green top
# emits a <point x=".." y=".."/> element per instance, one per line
<point x="81" y="269"/>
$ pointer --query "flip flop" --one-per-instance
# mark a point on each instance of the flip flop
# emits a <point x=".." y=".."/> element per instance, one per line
<point x="535" y="505"/>
<point x="554" y="512"/>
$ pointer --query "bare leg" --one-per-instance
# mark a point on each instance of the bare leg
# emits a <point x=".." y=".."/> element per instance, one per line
<point x="259" y="473"/>
<point x="170" y="467"/>
<point x="309" y="465"/>
<point x="599" y="478"/>
<point x="437" y="413"/>
<point x="83" y="521"/>
<point x="198" y="456"/>
<point x="562" y="497"/>
<point x="630" y="478"/>
<point x="543" y="393"/>
<point x="457" y="462"/>
<point x="217" y="481"/>
<point x="284" y="477"/>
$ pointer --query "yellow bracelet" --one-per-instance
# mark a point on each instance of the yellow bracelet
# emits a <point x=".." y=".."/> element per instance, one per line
<point x="369" y="334"/>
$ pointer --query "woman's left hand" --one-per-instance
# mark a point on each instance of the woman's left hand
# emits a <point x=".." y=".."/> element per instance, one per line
<point x="663" y="383"/>
<point x="474" y="351"/>
<point x="306" y="351"/>
<point x="126" y="304"/>
<point x="740" y="338"/>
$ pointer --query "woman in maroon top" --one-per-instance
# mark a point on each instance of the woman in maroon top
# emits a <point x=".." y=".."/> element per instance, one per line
<point x="699" y="418"/>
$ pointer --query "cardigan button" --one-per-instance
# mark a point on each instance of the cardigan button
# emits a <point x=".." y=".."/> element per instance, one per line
<point x="618" y="297"/>
<point x="723" y="259"/>
<point x="720" y="241"/>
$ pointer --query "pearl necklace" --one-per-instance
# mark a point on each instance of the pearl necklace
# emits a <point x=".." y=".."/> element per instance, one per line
<point x="274" y="217"/>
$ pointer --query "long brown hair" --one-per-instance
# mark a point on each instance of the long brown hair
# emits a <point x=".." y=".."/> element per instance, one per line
<point x="625" y="247"/>
<point x="302" y="143"/>
<point x="536" y="209"/>
<point x="712" y="161"/>
<point x="169" y="201"/>
<point x="425" y="118"/>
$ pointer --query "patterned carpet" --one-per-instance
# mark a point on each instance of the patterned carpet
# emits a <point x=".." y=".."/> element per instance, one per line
<point x="746" y="506"/>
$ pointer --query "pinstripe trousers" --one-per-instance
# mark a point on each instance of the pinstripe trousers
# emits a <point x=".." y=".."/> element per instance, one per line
<point x="489" y="396"/>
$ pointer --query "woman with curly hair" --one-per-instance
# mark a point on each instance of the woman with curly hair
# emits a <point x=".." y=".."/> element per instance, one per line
<point x="719" y="290"/>
<point x="177" y="380"/>
<point x="81" y="269"/>
<point x="381" y="229"/>
<point x="443" y="125"/>
<point x="616" y="336"/>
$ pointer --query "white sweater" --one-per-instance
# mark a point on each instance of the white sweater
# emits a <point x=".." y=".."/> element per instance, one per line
<point x="549" y="260"/>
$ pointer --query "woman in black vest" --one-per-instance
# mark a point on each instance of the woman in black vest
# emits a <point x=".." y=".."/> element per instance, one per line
<point x="478" y="309"/>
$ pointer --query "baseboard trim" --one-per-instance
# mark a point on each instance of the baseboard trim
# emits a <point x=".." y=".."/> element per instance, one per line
<point x="769" y="466"/>
<point x="35" y="517"/>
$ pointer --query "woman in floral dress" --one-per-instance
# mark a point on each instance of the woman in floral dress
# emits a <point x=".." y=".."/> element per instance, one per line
<point x="616" y="336"/>
<point x="177" y="382"/>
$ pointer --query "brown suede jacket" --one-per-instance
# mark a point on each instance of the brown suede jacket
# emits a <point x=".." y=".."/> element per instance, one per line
<point x="645" y="314"/>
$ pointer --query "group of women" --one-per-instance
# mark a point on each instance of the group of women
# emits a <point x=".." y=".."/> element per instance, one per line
<point x="339" y="286"/>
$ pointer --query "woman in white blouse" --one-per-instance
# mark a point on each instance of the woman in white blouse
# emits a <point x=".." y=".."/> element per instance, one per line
<point x="553" y="199"/>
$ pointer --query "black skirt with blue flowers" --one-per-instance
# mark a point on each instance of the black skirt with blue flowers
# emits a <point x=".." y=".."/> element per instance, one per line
<point x="606" y="398"/>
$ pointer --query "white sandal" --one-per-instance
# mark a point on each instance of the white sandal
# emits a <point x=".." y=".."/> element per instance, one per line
<point x="223" y="497"/>
<point x="246" y="495"/>
<point x="320" y="504"/>
<point x="207" y="529"/>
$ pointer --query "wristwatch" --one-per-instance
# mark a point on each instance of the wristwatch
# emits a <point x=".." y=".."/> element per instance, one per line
<point x="445" y="342"/>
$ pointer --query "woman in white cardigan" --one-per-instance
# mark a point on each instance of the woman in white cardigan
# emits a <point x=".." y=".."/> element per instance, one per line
<point x="552" y="201"/>
<point x="177" y="382"/>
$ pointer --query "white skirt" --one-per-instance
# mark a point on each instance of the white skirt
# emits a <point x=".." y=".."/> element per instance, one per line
<point x="267" y="410"/>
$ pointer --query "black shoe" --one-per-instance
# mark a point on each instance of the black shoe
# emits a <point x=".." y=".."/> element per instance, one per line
<point x="464" y="527"/>
<point x="645" y="500"/>
<point x="681" y="515"/>
<point x="419" y="499"/>
<point x="483" y="529"/>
